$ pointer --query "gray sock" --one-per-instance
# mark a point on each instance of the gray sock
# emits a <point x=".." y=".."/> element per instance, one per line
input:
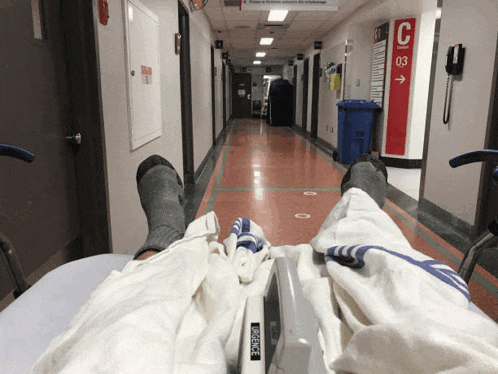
<point x="161" y="196"/>
<point x="369" y="175"/>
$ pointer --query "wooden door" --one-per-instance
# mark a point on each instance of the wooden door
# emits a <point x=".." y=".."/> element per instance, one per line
<point x="39" y="208"/>
<point x="241" y="95"/>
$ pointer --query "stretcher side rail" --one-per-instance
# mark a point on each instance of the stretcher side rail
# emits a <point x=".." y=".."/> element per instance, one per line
<point x="472" y="255"/>
<point x="8" y="253"/>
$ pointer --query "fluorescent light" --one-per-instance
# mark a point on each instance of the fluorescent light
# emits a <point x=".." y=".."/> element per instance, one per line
<point x="266" y="41"/>
<point x="277" y="15"/>
<point x="257" y="62"/>
<point x="260" y="54"/>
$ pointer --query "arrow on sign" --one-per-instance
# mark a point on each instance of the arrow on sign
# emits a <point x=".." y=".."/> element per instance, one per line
<point x="401" y="80"/>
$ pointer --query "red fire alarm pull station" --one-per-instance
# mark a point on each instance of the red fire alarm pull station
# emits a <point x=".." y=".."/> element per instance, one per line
<point x="103" y="11"/>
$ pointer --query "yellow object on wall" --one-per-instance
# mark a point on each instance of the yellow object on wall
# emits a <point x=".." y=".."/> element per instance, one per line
<point x="335" y="82"/>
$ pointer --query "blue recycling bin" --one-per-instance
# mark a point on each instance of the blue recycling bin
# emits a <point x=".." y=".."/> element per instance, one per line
<point x="355" y="121"/>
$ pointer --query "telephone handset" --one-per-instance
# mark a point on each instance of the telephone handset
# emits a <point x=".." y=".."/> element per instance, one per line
<point x="454" y="59"/>
<point x="454" y="66"/>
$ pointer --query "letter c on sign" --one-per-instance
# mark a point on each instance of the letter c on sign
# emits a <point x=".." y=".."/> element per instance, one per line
<point x="400" y="33"/>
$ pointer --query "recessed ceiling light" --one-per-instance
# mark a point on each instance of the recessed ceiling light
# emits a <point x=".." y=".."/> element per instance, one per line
<point x="260" y="54"/>
<point x="277" y="15"/>
<point x="257" y="62"/>
<point x="266" y="41"/>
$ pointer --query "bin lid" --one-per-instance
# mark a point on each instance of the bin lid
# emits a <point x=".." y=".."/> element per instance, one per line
<point x="358" y="104"/>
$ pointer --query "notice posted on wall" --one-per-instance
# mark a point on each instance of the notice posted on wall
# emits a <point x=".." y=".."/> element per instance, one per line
<point x="146" y="75"/>
<point x="378" y="75"/>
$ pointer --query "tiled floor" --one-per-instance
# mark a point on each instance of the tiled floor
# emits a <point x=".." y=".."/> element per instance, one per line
<point x="288" y="185"/>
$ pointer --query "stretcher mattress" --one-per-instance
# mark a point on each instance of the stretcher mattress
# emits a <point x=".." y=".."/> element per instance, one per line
<point x="47" y="308"/>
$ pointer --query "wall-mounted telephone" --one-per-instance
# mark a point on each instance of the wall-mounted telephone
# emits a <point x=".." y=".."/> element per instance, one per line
<point x="454" y="66"/>
<point x="454" y="59"/>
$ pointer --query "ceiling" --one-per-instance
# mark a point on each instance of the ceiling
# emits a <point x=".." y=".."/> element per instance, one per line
<point x="241" y="31"/>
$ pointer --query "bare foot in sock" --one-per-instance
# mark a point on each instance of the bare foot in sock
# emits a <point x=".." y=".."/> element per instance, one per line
<point x="161" y="195"/>
<point x="368" y="174"/>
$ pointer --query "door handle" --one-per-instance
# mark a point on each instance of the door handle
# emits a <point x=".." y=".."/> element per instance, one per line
<point x="74" y="139"/>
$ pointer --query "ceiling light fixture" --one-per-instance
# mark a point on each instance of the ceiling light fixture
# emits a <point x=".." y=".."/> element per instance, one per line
<point x="266" y="41"/>
<point x="257" y="62"/>
<point x="260" y="54"/>
<point x="277" y="15"/>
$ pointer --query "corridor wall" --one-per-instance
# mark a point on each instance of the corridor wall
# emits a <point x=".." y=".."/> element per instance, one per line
<point x="127" y="221"/>
<point x="475" y="25"/>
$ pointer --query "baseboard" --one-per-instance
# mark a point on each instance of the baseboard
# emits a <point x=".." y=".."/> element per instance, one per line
<point x="401" y="163"/>
<point x="439" y="213"/>
<point x="220" y="139"/>
<point x="327" y="148"/>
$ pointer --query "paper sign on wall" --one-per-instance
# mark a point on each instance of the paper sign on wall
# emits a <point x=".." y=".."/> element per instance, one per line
<point x="399" y="93"/>
<point x="378" y="74"/>
<point x="146" y="75"/>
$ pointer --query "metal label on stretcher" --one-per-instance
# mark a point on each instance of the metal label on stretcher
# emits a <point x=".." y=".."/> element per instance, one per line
<point x="280" y="331"/>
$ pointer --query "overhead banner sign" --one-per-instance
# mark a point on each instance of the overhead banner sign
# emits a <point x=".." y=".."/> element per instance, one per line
<point x="293" y="5"/>
<point x="378" y="75"/>
<point x="399" y="93"/>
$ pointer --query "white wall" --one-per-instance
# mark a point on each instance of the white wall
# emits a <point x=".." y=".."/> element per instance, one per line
<point x="128" y="223"/>
<point x="200" y="63"/>
<point x="327" y="109"/>
<point x="475" y="25"/>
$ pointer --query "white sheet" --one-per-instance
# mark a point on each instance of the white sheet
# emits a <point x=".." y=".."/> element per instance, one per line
<point x="181" y="310"/>
<point x="407" y="312"/>
<point x="171" y="313"/>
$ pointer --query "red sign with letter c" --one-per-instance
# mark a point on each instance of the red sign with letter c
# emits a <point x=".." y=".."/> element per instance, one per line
<point x="399" y="92"/>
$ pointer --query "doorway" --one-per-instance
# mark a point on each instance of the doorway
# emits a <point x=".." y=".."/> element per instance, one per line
<point x="294" y="96"/>
<point x="315" y="96"/>
<point x="305" y="95"/>
<point x="224" y="83"/>
<point x="213" y="96"/>
<point x="186" y="96"/>
<point x="51" y="93"/>
<point x="241" y="95"/>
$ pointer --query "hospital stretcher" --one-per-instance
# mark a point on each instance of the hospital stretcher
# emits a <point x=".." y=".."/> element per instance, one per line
<point x="274" y="329"/>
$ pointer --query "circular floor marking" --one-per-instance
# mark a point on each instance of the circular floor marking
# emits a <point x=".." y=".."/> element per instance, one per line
<point x="309" y="193"/>
<point x="302" y="215"/>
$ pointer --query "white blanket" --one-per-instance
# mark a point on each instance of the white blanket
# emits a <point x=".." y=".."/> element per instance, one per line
<point x="181" y="310"/>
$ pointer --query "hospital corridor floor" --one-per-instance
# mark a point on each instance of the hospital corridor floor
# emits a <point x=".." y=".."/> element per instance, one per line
<point x="287" y="184"/>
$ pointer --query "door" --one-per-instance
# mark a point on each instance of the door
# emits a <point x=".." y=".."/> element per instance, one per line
<point x="315" y="96"/>
<point x="294" y="84"/>
<point x="213" y="97"/>
<point x="39" y="209"/>
<point x="305" y="94"/>
<point x="241" y="95"/>
<point x="186" y="96"/>
<point x="223" y="80"/>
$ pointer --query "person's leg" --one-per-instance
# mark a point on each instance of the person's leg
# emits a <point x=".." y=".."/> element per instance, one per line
<point x="161" y="195"/>
<point x="368" y="174"/>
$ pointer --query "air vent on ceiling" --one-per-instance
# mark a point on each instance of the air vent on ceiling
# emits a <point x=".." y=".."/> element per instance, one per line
<point x="273" y="26"/>
<point x="231" y="3"/>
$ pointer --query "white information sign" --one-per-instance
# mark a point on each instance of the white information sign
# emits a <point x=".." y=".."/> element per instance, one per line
<point x="294" y="5"/>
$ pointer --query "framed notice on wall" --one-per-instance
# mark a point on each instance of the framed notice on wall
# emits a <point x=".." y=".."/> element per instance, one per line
<point x="378" y="75"/>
